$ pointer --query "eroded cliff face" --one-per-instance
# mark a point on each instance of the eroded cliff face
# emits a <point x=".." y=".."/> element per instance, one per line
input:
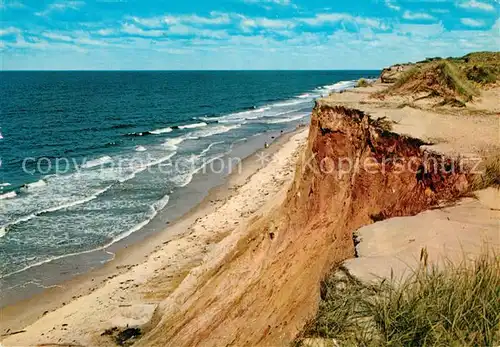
<point x="352" y="173"/>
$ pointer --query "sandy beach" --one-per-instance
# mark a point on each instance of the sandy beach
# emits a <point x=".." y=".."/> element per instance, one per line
<point x="126" y="291"/>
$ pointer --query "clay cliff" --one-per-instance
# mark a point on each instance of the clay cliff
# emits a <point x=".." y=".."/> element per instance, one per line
<point x="353" y="172"/>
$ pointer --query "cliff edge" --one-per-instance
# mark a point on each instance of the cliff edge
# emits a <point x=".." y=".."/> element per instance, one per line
<point x="266" y="287"/>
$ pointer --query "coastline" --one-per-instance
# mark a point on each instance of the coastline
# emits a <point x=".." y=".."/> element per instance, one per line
<point x="179" y="235"/>
<point x="96" y="241"/>
<point x="49" y="274"/>
<point x="209" y="282"/>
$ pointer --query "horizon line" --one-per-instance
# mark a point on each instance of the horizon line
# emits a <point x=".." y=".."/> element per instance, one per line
<point x="188" y="70"/>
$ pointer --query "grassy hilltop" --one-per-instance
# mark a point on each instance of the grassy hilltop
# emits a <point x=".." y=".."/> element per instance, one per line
<point x="456" y="80"/>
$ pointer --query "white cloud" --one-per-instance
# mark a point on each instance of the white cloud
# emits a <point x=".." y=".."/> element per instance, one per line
<point x="153" y="22"/>
<point x="417" y="16"/>
<point x="61" y="6"/>
<point x="9" y="31"/>
<point x="10" y="4"/>
<point x="496" y="27"/>
<point x="276" y="2"/>
<point x="421" y="30"/>
<point x="58" y="37"/>
<point x="323" y="18"/>
<point x="474" y="23"/>
<point x="76" y="37"/>
<point x="215" y="18"/>
<point x="474" y="4"/>
<point x="266" y="23"/>
<point x="173" y="30"/>
<point x="22" y="43"/>
<point x="106" y="32"/>
<point x="194" y="24"/>
<point x="392" y="6"/>
<point x="175" y="51"/>
<point x="131" y="29"/>
<point x="185" y="30"/>
<point x="39" y="44"/>
<point x="89" y="41"/>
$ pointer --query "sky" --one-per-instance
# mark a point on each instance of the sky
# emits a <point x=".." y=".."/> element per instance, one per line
<point x="240" y="34"/>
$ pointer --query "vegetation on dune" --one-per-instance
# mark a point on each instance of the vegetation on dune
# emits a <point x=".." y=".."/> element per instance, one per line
<point x="456" y="80"/>
<point x="441" y="78"/>
<point x="489" y="175"/>
<point x="362" y="83"/>
<point x="482" y="67"/>
<point x="456" y="306"/>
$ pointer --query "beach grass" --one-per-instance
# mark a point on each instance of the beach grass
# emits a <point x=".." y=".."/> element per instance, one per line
<point x="482" y="68"/>
<point x="455" y="80"/>
<point x="489" y="175"/>
<point x="450" y="76"/>
<point x="439" y="78"/>
<point x="458" y="305"/>
<point x="362" y="83"/>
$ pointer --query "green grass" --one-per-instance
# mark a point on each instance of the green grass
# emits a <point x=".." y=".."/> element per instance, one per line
<point x="456" y="80"/>
<point x="406" y="76"/>
<point x="481" y="74"/>
<point x="489" y="175"/>
<point x="482" y="68"/>
<point x="362" y="83"/>
<point x="428" y="60"/>
<point x="458" y="306"/>
<point x="438" y="78"/>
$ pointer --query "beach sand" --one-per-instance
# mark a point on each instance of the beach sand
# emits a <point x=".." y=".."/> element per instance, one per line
<point x="126" y="291"/>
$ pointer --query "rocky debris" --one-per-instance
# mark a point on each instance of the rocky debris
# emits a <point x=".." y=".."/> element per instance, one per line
<point x="9" y="333"/>
<point x="125" y="337"/>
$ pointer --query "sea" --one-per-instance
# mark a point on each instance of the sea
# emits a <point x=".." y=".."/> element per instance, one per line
<point x="89" y="158"/>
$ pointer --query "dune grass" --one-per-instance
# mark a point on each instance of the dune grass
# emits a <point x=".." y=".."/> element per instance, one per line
<point x="362" y="83"/>
<point x="455" y="80"/>
<point x="481" y="74"/>
<point x="405" y="77"/>
<point x="489" y="173"/>
<point x="455" y="306"/>
<point x="438" y="79"/>
<point x="451" y="77"/>
<point x="482" y="68"/>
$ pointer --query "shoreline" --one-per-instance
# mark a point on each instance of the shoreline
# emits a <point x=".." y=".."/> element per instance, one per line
<point x="16" y="316"/>
<point x="54" y="272"/>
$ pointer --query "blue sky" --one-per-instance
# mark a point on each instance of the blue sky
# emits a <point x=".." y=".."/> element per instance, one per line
<point x="240" y="34"/>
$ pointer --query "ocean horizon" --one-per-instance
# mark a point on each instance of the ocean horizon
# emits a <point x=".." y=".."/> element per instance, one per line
<point x="201" y="70"/>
